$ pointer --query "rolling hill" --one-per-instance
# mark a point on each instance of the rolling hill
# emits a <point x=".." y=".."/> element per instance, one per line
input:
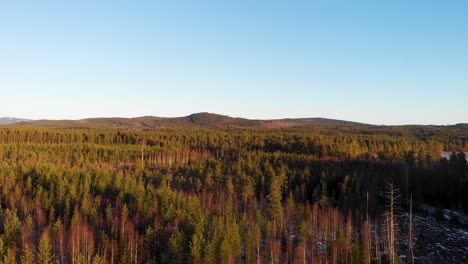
<point x="209" y="120"/>
<point x="193" y="120"/>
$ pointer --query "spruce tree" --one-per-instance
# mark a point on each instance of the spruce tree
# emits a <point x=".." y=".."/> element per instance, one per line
<point x="44" y="254"/>
<point x="9" y="257"/>
<point x="28" y="256"/>
<point x="275" y="209"/>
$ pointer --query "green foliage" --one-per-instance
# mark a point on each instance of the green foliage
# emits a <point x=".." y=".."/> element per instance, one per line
<point x="2" y="246"/>
<point x="9" y="257"/>
<point x="96" y="260"/>
<point x="44" y="250"/>
<point x="12" y="229"/>
<point x="198" y="242"/>
<point x="356" y="254"/>
<point x="27" y="256"/>
<point x="211" y="195"/>
<point x="275" y="209"/>
<point x="231" y="247"/>
<point x="251" y="243"/>
<point x="177" y="249"/>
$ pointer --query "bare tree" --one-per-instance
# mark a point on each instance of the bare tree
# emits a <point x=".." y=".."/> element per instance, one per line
<point x="369" y="231"/>
<point x="393" y="195"/>
<point x="410" y="236"/>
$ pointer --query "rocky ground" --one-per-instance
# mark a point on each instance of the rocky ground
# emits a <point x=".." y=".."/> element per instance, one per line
<point x="435" y="241"/>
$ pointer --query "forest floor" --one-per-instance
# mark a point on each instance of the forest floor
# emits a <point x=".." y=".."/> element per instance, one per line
<point x="435" y="241"/>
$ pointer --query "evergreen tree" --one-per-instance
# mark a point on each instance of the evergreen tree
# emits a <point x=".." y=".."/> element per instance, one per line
<point x="44" y="254"/>
<point x="197" y="243"/>
<point x="2" y="246"/>
<point x="28" y="256"/>
<point x="176" y="247"/>
<point x="9" y="257"/>
<point x="275" y="209"/>
<point x="234" y="243"/>
<point x="12" y="227"/>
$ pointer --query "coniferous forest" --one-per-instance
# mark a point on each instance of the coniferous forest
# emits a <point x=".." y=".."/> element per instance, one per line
<point x="222" y="195"/>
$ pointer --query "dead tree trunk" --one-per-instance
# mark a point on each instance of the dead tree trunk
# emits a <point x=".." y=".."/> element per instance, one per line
<point x="392" y="196"/>
<point x="410" y="236"/>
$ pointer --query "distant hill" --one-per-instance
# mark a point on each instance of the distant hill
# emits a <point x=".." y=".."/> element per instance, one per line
<point x="462" y="125"/>
<point x="193" y="120"/>
<point x="11" y="120"/>
<point x="209" y="120"/>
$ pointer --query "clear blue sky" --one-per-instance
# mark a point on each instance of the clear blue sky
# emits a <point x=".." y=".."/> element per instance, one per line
<point x="382" y="62"/>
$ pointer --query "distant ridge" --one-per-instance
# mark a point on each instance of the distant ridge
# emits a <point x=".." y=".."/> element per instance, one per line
<point x="11" y="120"/>
<point x="462" y="125"/>
<point x="194" y="120"/>
<point x="210" y="120"/>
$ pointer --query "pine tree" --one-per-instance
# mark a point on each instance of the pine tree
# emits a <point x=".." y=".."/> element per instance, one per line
<point x="176" y="246"/>
<point x="9" y="257"/>
<point x="250" y="244"/>
<point x="28" y="256"/>
<point x="197" y="243"/>
<point x="44" y="254"/>
<point x="356" y="252"/>
<point x="234" y="241"/>
<point x="2" y="246"/>
<point x="12" y="227"/>
<point x="97" y="260"/>
<point x="275" y="209"/>
<point x="247" y="188"/>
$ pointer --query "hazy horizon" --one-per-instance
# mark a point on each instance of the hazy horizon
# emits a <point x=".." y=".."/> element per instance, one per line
<point x="378" y="63"/>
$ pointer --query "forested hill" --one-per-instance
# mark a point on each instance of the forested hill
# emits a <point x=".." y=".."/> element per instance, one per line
<point x="193" y="120"/>
<point x="454" y="137"/>
<point x="211" y="120"/>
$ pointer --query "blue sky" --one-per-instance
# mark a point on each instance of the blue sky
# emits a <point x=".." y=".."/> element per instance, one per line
<point x="381" y="62"/>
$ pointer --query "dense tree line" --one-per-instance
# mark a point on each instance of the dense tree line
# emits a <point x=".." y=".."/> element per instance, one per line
<point x="214" y="195"/>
